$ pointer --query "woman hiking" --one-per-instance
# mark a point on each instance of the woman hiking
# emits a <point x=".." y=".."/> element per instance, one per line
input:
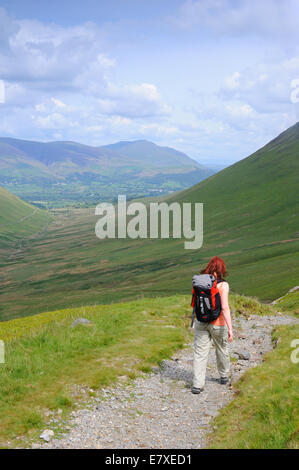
<point x="219" y="330"/>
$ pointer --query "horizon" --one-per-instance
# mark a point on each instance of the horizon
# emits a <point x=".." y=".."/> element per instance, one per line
<point x="99" y="73"/>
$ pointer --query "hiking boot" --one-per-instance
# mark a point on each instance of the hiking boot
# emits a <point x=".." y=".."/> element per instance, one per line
<point x="196" y="390"/>
<point x="224" y="380"/>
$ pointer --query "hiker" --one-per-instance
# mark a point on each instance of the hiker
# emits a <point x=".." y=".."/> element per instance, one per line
<point x="213" y="321"/>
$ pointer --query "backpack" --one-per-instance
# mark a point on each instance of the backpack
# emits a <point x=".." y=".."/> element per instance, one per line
<point x="206" y="301"/>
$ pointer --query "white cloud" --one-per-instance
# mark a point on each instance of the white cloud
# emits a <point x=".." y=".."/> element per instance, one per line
<point x="41" y="107"/>
<point x="158" y="130"/>
<point x="2" y="91"/>
<point x="239" y="18"/>
<point x="53" y="57"/>
<point x="40" y="61"/>
<point x="133" y="101"/>
<point x="93" y="129"/>
<point x="239" y="110"/>
<point x="265" y="87"/>
<point x="64" y="82"/>
<point x="250" y="108"/>
<point x="58" y="103"/>
<point x="58" y="136"/>
<point x="232" y="82"/>
<point x="60" y="85"/>
<point x="54" y="121"/>
<point x="8" y="29"/>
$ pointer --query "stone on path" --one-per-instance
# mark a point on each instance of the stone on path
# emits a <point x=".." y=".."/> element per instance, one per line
<point x="245" y="355"/>
<point x="47" y="434"/>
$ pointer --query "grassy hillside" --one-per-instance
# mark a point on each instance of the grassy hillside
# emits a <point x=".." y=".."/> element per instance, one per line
<point x="289" y="302"/>
<point x="251" y="216"/>
<point x="18" y="219"/>
<point x="250" y="219"/>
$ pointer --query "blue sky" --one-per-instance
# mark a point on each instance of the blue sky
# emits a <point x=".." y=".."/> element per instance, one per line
<point x="212" y="78"/>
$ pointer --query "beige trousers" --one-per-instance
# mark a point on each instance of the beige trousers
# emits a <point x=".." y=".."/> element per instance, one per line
<point x="204" y="333"/>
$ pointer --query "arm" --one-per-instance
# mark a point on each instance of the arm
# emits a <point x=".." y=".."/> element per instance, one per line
<point x="225" y="309"/>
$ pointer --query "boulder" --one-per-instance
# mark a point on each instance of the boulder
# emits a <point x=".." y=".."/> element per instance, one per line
<point x="80" y="321"/>
<point x="245" y="355"/>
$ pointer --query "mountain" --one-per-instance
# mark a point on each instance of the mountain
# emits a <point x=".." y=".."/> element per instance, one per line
<point x="62" y="173"/>
<point x="18" y="219"/>
<point x="150" y="154"/>
<point x="250" y="219"/>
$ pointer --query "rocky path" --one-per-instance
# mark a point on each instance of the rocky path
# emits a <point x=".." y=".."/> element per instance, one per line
<point x="158" y="410"/>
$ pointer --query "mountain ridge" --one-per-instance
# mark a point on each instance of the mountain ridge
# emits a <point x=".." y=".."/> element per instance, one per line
<point x="70" y="173"/>
<point x="92" y="151"/>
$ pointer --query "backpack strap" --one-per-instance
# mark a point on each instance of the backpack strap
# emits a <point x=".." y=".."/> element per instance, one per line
<point x="193" y="305"/>
<point x="193" y="317"/>
<point x="214" y="290"/>
<point x="193" y="297"/>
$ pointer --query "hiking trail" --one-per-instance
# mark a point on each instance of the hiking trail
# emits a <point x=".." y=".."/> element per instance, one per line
<point x="29" y="215"/>
<point x="157" y="410"/>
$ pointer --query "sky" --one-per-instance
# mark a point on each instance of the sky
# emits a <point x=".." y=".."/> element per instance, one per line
<point x="216" y="79"/>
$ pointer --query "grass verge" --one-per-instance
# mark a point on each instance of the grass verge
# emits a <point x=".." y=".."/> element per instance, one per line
<point x="289" y="303"/>
<point x="264" y="414"/>
<point x="45" y="358"/>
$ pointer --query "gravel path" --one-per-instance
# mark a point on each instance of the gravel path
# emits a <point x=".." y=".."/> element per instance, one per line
<point x="158" y="410"/>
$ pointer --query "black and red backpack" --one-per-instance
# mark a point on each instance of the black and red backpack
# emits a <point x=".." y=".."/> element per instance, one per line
<point x="206" y="301"/>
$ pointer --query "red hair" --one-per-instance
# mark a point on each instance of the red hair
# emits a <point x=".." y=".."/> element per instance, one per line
<point x="216" y="265"/>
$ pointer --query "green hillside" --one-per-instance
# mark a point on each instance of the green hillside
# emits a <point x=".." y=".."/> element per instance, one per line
<point x="18" y="219"/>
<point x="251" y="215"/>
<point x="250" y="219"/>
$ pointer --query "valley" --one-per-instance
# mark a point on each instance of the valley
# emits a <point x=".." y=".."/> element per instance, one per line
<point x="250" y="220"/>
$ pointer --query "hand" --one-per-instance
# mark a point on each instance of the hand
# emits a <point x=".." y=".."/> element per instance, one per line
<point x="230" y="336"/>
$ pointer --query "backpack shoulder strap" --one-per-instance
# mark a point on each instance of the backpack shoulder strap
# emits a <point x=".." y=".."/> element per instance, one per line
<point x="193" y="317"/>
